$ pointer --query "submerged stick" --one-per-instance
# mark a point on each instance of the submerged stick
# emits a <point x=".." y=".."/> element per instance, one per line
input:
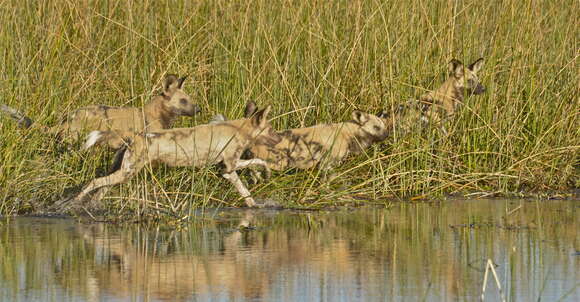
<point x="22" y="120"/>
<point x="489" y="267"/>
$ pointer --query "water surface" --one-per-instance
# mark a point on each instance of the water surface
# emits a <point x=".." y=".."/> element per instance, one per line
<point x="408" y="252"/>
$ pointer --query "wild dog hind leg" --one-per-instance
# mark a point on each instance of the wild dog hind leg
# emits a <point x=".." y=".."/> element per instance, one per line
<point x="129" y="167"/>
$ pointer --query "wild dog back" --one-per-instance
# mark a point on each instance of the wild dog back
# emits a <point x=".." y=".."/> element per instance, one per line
<point x="207" y="144"/>
<point x="158" y="114"/>
<point x="307" y="147"/>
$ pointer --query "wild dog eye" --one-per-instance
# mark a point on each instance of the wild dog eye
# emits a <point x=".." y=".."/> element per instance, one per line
<point x="377" y="128"/>
<point x="183" y="101"/>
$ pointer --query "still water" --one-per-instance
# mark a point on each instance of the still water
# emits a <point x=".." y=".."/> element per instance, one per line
<point x="407" y="252"/>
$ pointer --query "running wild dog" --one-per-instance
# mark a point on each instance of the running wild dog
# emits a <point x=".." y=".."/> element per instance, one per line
<point x="323" y="145"/>
<point x="436" y="106"/>
<point x="158" y="114"/>
<point x="198" y="146"/>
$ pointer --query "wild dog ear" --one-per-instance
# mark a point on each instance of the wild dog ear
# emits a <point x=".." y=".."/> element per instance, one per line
<point x="456" y="68"/>
<point x="260" y="118"/>
<point x="476" y="66"/>
<point x="180" y="81"/>
<point x="264" y="116"/>
<point x="170" y="82"/>
<point x="360" y="117"/>
<point x="383" y="114"/>
<point x="250" y="109"/>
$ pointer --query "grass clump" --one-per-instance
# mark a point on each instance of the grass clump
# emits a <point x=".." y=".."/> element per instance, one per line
<point x="316" y="61"/>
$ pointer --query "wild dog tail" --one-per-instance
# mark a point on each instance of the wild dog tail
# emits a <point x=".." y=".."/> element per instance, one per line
<point x="217" y="119"/>
<point x="112" y="139"/>
<point x="22" y="120"/>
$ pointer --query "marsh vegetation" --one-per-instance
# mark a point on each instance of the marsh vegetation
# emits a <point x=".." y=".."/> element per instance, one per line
<point x="313" y="61"/>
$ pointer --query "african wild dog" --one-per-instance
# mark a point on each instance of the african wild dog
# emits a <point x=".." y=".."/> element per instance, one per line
<point x="442" y="103"/>
<point x="158" y="114"/>
<point x="198" y="146"/>
<point x="323" y="145"/>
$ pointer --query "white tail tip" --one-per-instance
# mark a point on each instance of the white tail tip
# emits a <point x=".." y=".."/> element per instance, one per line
<point x="218" y="118"/>
<point x="92" y="139"/>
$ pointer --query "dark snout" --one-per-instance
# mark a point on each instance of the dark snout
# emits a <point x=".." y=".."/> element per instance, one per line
<point x="383" y="136"/>
<point x="479" y="89"/>
<point x="193" y="110"/>
<point x="197" y="109"/>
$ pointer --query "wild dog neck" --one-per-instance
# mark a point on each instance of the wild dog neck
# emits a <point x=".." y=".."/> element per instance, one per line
<point x="447" y="93"/>
<point x="158" y="115"/>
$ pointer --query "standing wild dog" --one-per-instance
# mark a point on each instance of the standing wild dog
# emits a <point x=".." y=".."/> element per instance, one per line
<point x="158" y="114"/>
<point x="436" y="106"/>
<point x="198" y="146"/>
<point x="323" y="145"/>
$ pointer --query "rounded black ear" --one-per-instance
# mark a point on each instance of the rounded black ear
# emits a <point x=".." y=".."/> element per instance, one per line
<point x="255" y="118"/>
<point x="260" y="118"/>
<point x="251" y="108"/>
<point x="359" y="117"/>
<point x="456" y="68"/>
<point x="383" y="114"/>
<point x="476" y="66"/>
<point x="180" y="81"/>
<point x="170" y="82"/>
<point x="264" y="116"/>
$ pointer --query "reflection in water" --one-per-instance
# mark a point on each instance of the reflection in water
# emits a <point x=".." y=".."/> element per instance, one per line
<point x="435" y="252"/>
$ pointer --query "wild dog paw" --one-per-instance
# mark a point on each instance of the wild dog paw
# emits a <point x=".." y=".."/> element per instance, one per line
<point x="63" y="205"/>
<point x="268" y="203"/>
<point x="250" y="203"/>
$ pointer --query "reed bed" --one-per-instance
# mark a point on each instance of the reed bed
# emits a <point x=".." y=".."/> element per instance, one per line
<point x="313" y="61"/>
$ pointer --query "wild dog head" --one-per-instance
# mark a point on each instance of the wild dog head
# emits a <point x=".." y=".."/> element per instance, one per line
<point x="375" y="127"/>
<point x="466" y="77"/>
<point x="262" y="130"/>
<point x="177" y="101"/>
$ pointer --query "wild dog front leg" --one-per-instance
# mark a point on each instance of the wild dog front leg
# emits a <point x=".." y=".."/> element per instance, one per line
<point x="327" y="172"/>
<point x="235" y="180"/>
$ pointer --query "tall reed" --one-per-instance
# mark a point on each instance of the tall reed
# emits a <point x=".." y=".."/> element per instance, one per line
<point x="314" y="61"/>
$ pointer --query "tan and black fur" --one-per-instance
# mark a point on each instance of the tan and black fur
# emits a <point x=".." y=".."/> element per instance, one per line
<point x="198" y="146"/>
<point x="436" y="106"/>
<point x="158" y="114"/>
<point x="323" y="145"/>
